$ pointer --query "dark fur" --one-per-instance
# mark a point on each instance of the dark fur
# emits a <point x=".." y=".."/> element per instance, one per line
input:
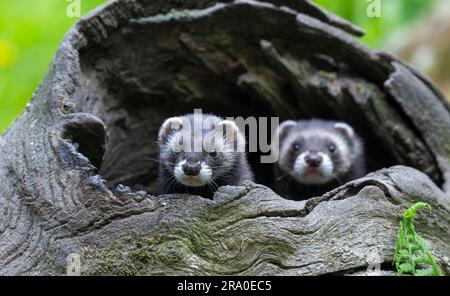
<point x="229" y="168"/>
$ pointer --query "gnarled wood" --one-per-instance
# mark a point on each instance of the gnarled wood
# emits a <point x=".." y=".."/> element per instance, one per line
<point x="73" y="179"/>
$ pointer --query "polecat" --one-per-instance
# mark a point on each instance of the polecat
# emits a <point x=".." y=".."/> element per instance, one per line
<point x="315" y="156"/>
<point x="199" y="153"/>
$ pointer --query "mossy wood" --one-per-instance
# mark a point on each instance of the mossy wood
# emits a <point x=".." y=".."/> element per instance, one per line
<point x="73" y="179"/>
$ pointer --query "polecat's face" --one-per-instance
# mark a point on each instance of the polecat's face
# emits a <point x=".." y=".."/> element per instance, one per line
<point x="316" y="154"/>
<point x="196" y="158"/>
<point x="197" y="169"/>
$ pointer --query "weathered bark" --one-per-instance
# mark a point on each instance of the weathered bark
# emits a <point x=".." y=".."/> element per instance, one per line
<point x="124" y="68"/>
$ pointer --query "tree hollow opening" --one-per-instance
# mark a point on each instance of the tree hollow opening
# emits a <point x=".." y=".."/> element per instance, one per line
<point x="152" y="69"/>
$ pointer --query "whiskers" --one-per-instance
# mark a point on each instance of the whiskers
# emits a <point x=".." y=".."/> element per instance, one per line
<point x="152" y="159"/>
<point x="167" y="184"/>
<point x="159" y="161"/>
<point x="212" y="185"/>
<point x="283" y="177"/>
<point x="337" y="179"/>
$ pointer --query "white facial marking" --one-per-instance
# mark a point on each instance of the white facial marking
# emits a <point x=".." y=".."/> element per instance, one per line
<point x="233" y="135"/>
<point x="323" y="175"/>
<point x="170" y="124"/>
<point x="203" y="177"/>
<point x="347" y="128"/>
<point x="347" y="156"/>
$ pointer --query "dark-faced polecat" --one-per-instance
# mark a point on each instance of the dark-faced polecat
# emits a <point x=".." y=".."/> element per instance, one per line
<point x="316" y="156"/>
<point x="199" y="153"/>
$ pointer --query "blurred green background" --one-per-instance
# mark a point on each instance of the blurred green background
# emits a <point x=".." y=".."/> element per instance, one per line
<point x="30" y="31"/>
<point x="394" y="14"/>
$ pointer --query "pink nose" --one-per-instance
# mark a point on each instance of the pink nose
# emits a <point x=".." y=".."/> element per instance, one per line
<point x="313" y="160"/>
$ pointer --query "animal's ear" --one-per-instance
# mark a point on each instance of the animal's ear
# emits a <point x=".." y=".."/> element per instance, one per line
<point x="282" y="131"/>
<point x="170" y="125"/>
<point x="344" y="129"/>
<point x="231" y="132"/>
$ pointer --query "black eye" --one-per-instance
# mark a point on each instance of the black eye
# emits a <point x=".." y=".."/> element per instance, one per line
<point x="177" y="149"/>
<point x="296" y="146"/>
<point x="332" y="148"/>
<point x="213" y="153"/>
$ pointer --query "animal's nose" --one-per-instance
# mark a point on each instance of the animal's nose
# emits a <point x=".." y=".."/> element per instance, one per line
<point x="313" y="160"/>
<point x="192" y="168"/>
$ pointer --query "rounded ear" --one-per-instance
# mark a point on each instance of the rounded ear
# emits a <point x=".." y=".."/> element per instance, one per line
<point x="344" y="129"/>
<point x="282" y="130"/>
<point x="231" y="132"/>
<point x="170" y="125"/>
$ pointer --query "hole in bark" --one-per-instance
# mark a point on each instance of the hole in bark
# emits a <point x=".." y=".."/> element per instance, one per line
<point x="145" y="73"/>
<point x="89" y="138"/>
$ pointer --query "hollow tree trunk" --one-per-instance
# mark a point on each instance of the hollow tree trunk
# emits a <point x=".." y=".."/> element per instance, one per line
<point x="72" y="179"/>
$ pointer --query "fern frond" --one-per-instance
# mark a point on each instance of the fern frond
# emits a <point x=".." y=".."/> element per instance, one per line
<point x="412" y="257"/>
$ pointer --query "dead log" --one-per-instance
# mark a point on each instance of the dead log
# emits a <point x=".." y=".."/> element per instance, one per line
<point x="73" y="179"/>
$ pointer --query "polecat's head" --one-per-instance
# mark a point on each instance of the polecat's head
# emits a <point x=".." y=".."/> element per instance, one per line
<point x="196" y="150"/>
<point x="315" y="152"/>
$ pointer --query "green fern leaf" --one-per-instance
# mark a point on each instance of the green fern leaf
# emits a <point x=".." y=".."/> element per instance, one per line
<point x="412" y="257"/>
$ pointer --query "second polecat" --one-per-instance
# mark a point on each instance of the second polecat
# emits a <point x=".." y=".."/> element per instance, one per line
<point x="199" y="153"/>
<point x="316" y="156"/>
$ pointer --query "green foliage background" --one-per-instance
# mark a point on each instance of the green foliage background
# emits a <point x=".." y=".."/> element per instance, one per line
<point x="394" y="13"/>
<point x="30" y="31"/>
